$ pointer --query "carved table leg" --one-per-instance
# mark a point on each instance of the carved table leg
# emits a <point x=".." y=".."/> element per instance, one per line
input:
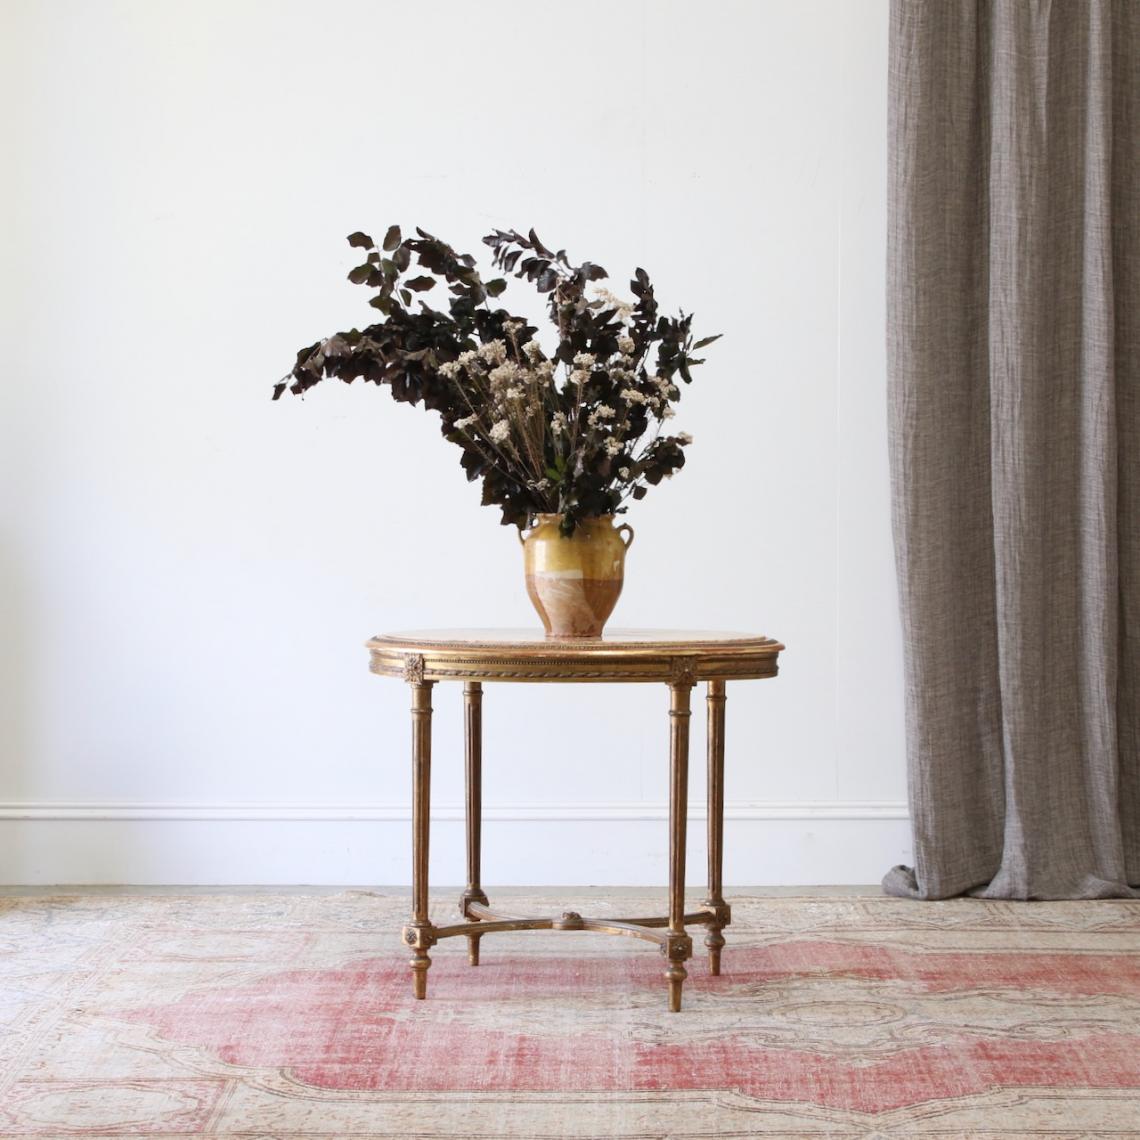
<point x="679" y="946"/>
<point x="473" y="739"/>
<point x="714" y="939"/>
<point x="420" y="934"/>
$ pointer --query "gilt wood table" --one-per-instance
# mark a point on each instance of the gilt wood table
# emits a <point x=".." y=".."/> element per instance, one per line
<point x="678" y="659"/>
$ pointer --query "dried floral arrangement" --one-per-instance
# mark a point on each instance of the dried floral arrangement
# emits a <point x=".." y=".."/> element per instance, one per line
<point x="576" y="431"/>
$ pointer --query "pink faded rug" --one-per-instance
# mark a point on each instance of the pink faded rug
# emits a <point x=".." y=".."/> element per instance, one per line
<point x="291" y="1016"/>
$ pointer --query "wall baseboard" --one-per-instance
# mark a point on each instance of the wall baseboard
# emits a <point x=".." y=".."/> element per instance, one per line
<point x="767" y="843"/>
<point x="386" y="812"/>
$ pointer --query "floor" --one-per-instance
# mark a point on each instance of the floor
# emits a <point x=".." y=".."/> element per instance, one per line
<point x="287" y="1014"/>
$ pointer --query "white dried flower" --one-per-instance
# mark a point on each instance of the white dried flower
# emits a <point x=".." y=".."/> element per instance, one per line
<point x="466" y="422"/>
<point x="503" y="375"/>
<point x="624" y="473"/>
<point x="684" y="438"/>
<point x="613" y="446"/>
<point x="450" y="370"/>
<point x="558" y="423"/>
<point x="513" y="394"/>
<point x="625" y="344"/>
<point x="632" y="396"/>
<point x="585" y="360"/>
<point x="512" y="325"/>
<point x="533" y="351"/>
<point x="665" y="387"/>
<point x="667" y="413"/>
<point x="494" y="352"/>
<point x="624" y="309"/>
<point x="579" y="376"/>
<point x="500" y="431"/>
<point x="601" y="412"/>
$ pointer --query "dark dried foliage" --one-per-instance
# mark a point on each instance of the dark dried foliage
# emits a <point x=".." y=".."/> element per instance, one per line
<point x="579" y="474"/>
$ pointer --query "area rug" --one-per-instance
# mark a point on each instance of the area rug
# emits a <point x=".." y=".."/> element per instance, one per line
<point x="286" y="1016"/>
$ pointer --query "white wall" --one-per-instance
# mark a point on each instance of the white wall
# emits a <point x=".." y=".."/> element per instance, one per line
<point x="188" y="570"/>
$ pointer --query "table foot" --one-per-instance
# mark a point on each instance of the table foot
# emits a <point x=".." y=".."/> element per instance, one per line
<point x="473" y="894"/>
<point x="473" y="949"/>
<point x="678" y="948"/>
<point x="719" y="916"/>
<point x="714" y="941"/>
<point x="420" y="964"/>
<point x="675" y="975"/>
<point x="419" y="939"/>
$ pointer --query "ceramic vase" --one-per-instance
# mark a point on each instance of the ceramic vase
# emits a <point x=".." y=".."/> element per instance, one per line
<point x="574" y="582"/>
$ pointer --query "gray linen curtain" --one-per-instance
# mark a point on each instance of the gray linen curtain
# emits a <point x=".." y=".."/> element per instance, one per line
<point x="1013" y="310"/>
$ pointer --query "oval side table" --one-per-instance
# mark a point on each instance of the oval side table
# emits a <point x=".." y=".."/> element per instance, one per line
<point x="677" y="659"/>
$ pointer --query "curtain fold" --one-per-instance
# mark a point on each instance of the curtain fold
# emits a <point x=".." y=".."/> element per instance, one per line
<point x="1014" y="425"/>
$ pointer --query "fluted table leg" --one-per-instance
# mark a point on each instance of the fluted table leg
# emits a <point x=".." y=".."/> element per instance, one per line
<point x="473" y="740"/>
<point x="419" y="933"/>
<point x="714" y="939"/>
<point x="679" y="946"/>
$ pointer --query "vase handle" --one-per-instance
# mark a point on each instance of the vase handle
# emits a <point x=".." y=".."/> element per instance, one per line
<point x="628" y="541"/>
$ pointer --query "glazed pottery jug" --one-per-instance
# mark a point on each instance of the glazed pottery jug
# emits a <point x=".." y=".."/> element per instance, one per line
<point x="575" y="582"/>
